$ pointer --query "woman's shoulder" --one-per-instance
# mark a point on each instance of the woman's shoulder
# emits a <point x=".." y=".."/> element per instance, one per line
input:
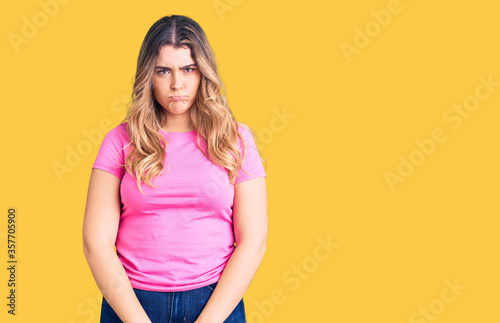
<point x="117" y="137"/>
<point x="245" y="131"/>
<point x="119" y="131"/>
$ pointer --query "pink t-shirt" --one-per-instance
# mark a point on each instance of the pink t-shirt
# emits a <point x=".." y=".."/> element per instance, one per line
<point x="179" y="235"/>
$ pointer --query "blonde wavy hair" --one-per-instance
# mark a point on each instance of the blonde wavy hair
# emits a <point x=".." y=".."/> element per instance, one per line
<point x="209" y="113"/>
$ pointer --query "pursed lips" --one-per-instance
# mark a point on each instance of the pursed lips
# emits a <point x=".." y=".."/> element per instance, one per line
<point x="178" y="98"/>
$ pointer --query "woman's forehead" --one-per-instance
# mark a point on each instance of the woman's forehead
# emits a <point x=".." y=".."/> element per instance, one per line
<point x="171" y="56"/>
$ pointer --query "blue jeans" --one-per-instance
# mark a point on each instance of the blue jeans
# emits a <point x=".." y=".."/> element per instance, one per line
<point x="173" y="307"/>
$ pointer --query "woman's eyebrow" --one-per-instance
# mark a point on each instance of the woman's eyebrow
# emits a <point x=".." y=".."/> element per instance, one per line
<point x="168" y="68"/>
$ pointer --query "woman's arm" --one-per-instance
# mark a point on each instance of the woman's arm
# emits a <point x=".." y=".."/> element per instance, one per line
<point x="250" y="230"/>
<point x="100" y="227"/>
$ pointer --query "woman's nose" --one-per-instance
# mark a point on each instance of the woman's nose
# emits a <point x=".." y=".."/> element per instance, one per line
<point x="176" y="82"/>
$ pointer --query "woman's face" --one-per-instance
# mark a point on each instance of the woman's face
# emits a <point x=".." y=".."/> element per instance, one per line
<point x="176" y="80"/>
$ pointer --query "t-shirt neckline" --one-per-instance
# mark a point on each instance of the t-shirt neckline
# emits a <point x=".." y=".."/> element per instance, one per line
<point x="187" y="134"/>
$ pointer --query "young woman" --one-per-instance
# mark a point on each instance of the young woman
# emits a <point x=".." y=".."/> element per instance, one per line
<point x="178" y="187"/>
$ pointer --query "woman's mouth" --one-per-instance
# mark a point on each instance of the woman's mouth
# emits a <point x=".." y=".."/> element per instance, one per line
<point x="178" y="98"/>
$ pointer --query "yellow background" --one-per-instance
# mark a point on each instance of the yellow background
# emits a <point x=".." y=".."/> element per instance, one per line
<point x="350" y="119"/>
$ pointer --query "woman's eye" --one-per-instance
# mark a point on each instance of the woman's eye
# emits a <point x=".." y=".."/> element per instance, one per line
<point x="165" y="72"/>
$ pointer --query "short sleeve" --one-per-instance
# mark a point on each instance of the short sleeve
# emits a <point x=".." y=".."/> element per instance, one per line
<point x="111" y="155"/>
<point x="251" y="166"/>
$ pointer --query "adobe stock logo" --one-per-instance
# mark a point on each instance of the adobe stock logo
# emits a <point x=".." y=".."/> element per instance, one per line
<point x="363" y="37"/>
<point x="89" y="309"/>
<point x="30" y="27"/>
<point x="294" y="277"/>
<point x="454" y="117"/>
<point x="222" y="6"/>
<point x="75" y="154"/>
<point x="438" y="305"/>
<point x="277" y="124"/>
